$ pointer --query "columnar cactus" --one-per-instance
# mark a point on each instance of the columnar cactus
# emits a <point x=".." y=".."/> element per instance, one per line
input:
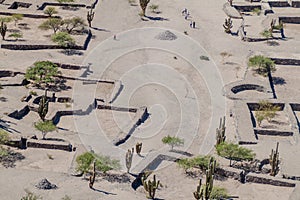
<point x="138" y="148"/>
<point x="43" y="106"/>
<point x="198" y="194"/>
<point x="274" y="161"/>
<point x="209" y="179"/>
<point x="220" y="132"/>
<point x="129" y="156"/>
<point x="150" y="187"/>
<point x="93" y="176"/>
<point x="3" y="29"/>
<point x="143" y="4"/>
<point x="228" y="25"/>
<point x="90" y="17"/>
<point x="230" y="2"/>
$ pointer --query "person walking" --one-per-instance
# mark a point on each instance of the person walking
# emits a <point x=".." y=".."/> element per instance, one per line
<point x="194" y="24"/>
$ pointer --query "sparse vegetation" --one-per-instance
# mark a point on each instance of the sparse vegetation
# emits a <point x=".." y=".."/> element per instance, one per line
<point x="30" y="196"/>
<point x="256" y="11"/>
<point x="63" y="39"/>
<point x="204" y="58"/>
<point x="219" y="193"/>
<point x="266" y="110"/>
<point x="172" y="141"/>
<point x="33" y="93"/>
<point x="154" y="8"/>
<point x="201" y="162"/>
<point x="16" y="18"/>
<point x="16" y="36"/>
<point x="103" y="163"/>
<point x="73" y="23"/>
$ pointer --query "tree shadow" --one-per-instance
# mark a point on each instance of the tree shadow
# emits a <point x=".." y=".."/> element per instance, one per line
<point x="279" y="81"/>
<point x="181" y="152"/>
<point x="9" y="160"/>
<point x="5" y="125"/>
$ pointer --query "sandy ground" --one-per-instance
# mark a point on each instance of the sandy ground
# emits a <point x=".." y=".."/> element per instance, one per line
<point x="209" y="33"/>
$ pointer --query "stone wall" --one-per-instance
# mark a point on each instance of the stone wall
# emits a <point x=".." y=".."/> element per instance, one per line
<point x="255" y="106"/>
<point x="243" y="87"/>
<point x="7" y="73"/>
<point x="45" y="4"/>
<point x="295" y="4"/>
<point x="37" y="144"/>
<point x="122" y="109"/>
<point x="16" y="5"/>
<point x="291" y="20"/>
<point x="68" y="66"/>
<point x="37" y="16"/>
<point x="286" y="61"/>
<point x="272" y="132"/>
<point x="270" y="181"/>
<point x="279" y="3"/>
<point x="295" y="106"/>
<point x="37" y="47"/>
<point x="246" y="8"/>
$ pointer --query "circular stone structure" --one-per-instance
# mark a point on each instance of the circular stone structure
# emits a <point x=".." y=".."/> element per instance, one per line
<point x="169" y="94"/>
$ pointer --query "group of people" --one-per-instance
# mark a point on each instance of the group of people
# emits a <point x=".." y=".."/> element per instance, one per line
<point x="186" y="15"/>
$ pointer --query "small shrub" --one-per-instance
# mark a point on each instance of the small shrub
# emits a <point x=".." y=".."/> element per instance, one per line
<point x="50" y="11"/>
<point x="204" y="58"/>
<point x="63" y="39"/>
<point x="256" y="11"/>
<point x="66" y="197"/>
<point x="153" y="8"/>
<point x="219" y="193"/>
<point x="4" y="136"/>
<point x="33" y="93"/>
<point x="16" y="35"/>
<point x="30" y="196"/>
<point x="50" y="156"/>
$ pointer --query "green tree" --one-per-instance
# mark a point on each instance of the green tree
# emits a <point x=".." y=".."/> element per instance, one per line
<point x="102" y="163"/>
<point x="234" y="152"/>
<point x="172" y="141"/>
<point x="264" y="66"/>
<point x="52" y="23"/>
<point x="16" y="35"/>
<point x="72" y="23"/>
<point x="63" y="39"/>
<point x="42" y="72"/>
<point x="143" y="4"/>
<point x="16" y="18"/>
<point x="50" y="11"/>
<point x="45" y="127"/>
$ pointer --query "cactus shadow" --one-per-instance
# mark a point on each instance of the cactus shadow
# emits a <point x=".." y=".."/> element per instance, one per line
<point x="104" y="192"/>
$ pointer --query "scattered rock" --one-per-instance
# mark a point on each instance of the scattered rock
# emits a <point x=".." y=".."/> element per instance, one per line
<point x="119" y="178"/>
<point x="44" y="184"/>
<point x="167" y="35"/>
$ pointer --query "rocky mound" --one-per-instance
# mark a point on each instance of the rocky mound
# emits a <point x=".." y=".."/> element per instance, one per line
<point x="167" y="35"/>
<point x="44" y="184"/>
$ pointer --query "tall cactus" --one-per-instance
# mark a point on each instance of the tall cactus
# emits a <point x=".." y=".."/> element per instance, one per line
<point x="220" y="132"/>
<point x="138" y="148"/>
<point x="93" y="176"/>
<point x="150" y="187"/>
<point x="198" y="194"/>
<point x="274" y="161"/>
<point x="228" y="25"/>
<point x="205" y="190"/>
<point x="90" y="17"/>
<point x="43" y="106"/>
<point x="143" y="4"/>
<point x="129" y="156"/>
<point x="3" y="29"/>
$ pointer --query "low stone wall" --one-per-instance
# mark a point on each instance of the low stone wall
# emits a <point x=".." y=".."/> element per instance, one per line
<point x="286" y="61"/>
<point x="291" y="20"/>
<point x="272" y="132"/>
<point x="37" y="144"/>
<point x="270" y="181"/>
<point x="255" y="106"/>
<point x="7" y="73"/>
<point x="122" y="109"/>
<point x="243" y="87"/>
<point x="279" y="3"/>
<point x="295" y="4"/>
<point x="37" y="47"/>
<point x="37" y="16"/>
<point x="295" y="106"/>
<point x="45" y="4"/>
<point x="16" y="5"/>
<point x="246" y="8"/>
<point x="64" y="99"/>
<point x="295" y="178"/>
<point x="68" y="66"/>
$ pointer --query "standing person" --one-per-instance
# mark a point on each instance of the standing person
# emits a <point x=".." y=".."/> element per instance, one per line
<point x="115" y="37"/>
<point x="194" y="24"/>
<point x="184" y="11"/>
<point x="191" y="24"/>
